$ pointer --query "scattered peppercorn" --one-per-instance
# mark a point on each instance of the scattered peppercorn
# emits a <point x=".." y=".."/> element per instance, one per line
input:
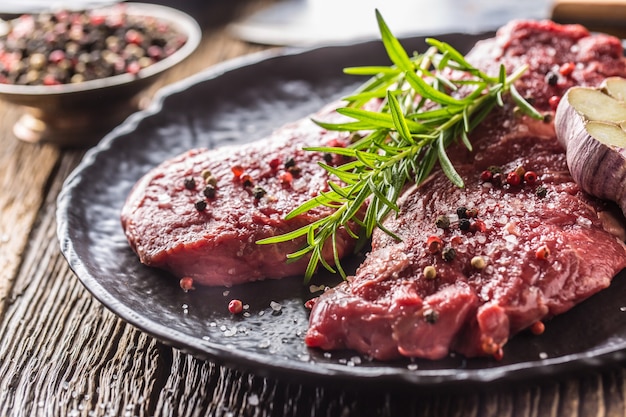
<point x="448" y="254"/>
<point x="491" y="348"/>
<point x="552" y="79"/>
<point x="289" y="163"/>
<point x="442" y="222"/>
<point x="431" y="316"/>
<point x="478" y="226"/>
<point x="71" y="47"/>
<point x="461" y="212"/>
<point x="530" y="177"/>
<point x="464" y="224"/>
<point x="274" y="164"/>
<point x="434" y="244"/>
<point x="543" y="252"/>
<point x="496" y="179"/>
<point x="537" y="328"/>
<point x="186" y="283"/>
<point x="294" y="170"/>
<point x="513" y="179"/>
<point x="328" y="158"/>
<point x="541" y="191"/>
<point x="211" y="180"/>
<point x="235" y="306"/>
<point x="246" y="180"/>
<point x="237" y="171"/>
<point x="209" y="191"/>
<point x="567" y="69"/>
<point x="190" y="183"/>
<point x="486" y="176"/>
<point x="554" y="102"/>
<point x="200" y="205"/>
<point x="477" y="262"/>
<point x="258" y="192"/>
<point x="430" y="272"/>
<point x="206" y="174"/>
<point x="471" y="213"/>
<point x="286" y="178"/>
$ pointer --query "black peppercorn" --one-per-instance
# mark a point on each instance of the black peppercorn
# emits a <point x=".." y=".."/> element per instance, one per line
<point x="200" y="205"/>
<point x="552" y="79"/>
<point x="461" y="212"/>
<point x="448" y="254"/>
<point x="431" y="316"/>
<point x="290" y="163"/>
<point x="258" y="192"/>
<point x="190" y="183"/>
<point x="209" y="191"/>
<point x="464" y="224"/>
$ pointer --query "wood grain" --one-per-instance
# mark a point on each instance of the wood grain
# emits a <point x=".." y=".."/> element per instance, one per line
<point x="64" y="354"/>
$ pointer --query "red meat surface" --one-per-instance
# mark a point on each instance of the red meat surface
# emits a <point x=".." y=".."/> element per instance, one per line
<point x="542" y="250"/>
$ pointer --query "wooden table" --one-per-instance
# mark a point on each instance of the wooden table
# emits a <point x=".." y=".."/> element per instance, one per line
<point x="64" y="354"/>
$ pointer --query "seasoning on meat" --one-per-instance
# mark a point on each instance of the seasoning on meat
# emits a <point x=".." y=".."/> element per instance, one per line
<point x="543" y="243"/>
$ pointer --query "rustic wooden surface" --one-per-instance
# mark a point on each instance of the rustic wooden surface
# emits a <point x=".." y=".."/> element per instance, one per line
<point x="64" y="354"/>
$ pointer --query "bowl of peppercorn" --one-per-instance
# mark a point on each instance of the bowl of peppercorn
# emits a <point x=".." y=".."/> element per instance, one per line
<point x="77" y="74"/>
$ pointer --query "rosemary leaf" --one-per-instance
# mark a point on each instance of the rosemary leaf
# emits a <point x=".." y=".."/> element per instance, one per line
<point x="446" y="165"/>
<point x="399" y="122"/>
<point x="396" y="52"/>
<point x="524" y="105"/>
<point x="425" y="102"/>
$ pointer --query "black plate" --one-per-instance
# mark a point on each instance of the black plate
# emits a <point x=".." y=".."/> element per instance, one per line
<point x="240" y="101"/>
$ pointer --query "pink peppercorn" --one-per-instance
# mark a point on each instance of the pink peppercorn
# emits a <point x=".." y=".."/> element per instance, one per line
<point x="513" y="179"/>
<point x="235" y="306"/>
<point x="530" y="177"/>
<point x="186" y="283"/>
<point x="554" y="102"/>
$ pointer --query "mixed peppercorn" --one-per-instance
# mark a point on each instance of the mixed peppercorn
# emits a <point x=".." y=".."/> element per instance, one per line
<point x="71" y="47"/>
<point x="467" y="219"/>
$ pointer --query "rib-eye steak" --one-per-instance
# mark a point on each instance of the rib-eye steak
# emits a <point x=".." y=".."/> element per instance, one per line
<point x="476" y="265"/>
<point x="200" y="214"/>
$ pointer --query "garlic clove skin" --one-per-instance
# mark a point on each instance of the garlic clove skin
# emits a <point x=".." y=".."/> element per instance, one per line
<point x="589" y="123"/>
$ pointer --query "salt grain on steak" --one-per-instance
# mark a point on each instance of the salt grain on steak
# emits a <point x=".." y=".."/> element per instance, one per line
<point x="200" y="214"/>
<point x="542" y="250"/>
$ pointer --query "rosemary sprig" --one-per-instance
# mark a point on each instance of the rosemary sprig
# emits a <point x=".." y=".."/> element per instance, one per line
<point x="428" y="101"/>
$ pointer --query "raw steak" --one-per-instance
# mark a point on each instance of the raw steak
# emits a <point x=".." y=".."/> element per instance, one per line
<point x="521" y="254"/>
<point x="256" y="186"/>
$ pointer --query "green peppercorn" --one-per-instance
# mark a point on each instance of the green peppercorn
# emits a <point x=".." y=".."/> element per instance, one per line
<point x="541" y="191"/>
<point x="443" y="222"/>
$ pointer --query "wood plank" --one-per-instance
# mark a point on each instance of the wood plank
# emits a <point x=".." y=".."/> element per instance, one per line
<point x="24" y="172"/>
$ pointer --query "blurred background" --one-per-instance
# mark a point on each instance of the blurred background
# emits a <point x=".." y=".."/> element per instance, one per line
<point x="309" y="22"/>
